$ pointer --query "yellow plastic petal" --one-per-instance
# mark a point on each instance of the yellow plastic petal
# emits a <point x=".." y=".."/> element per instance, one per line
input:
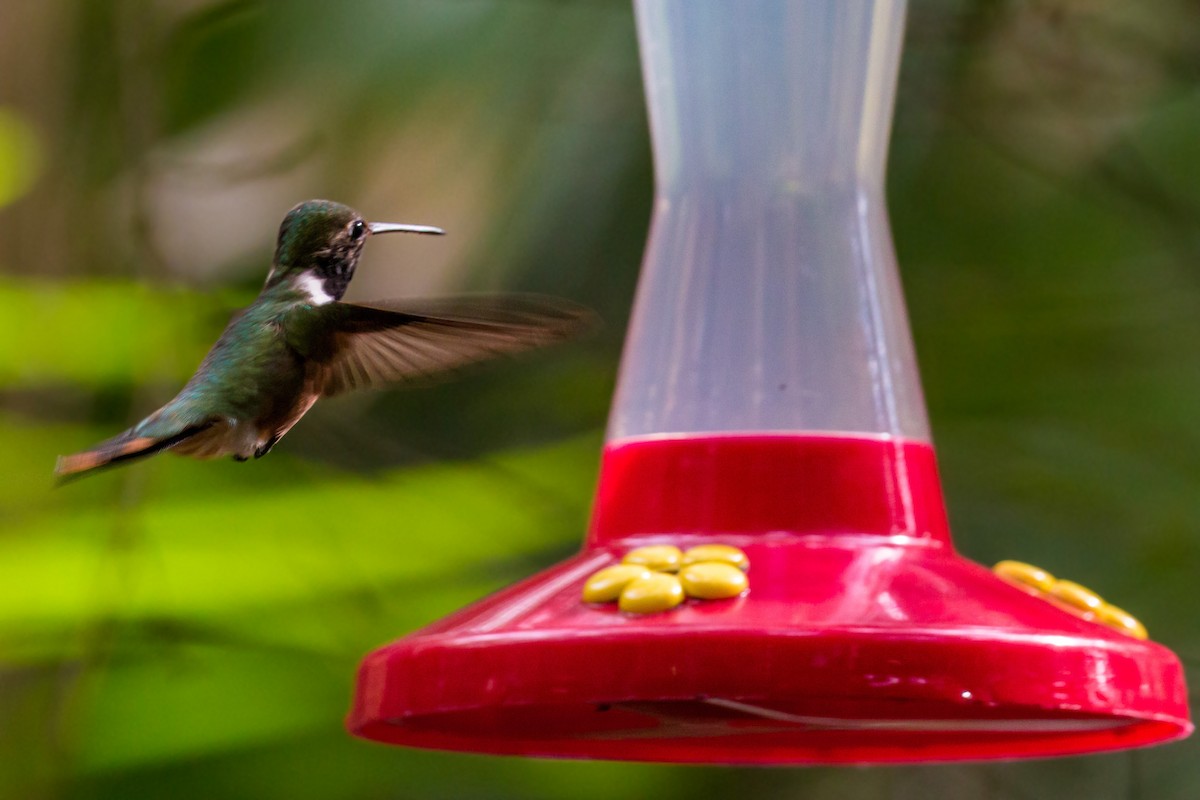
<point x="1121" y="620"/>
<point x="1027" y="574"/>
<point x="713" y="580"/>
<point x="716" y="552"/>
<point x="658" y="557"/>
<point x="1075" y="595"/>
<point x="658" y="591"/>
<point x="606" y="585"/>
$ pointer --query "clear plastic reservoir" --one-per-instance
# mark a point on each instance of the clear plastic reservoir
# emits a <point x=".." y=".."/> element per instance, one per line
<point x="769" y="299"/>
<point x="768" y="382"/>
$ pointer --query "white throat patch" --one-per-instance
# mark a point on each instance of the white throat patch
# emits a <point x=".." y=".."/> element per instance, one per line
<point x="314" y="287"/>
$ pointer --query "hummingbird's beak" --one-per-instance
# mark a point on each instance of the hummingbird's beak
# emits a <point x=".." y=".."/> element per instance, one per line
<point x="391" y="227"/>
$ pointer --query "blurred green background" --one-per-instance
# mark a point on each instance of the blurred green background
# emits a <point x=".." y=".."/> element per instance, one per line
<point x="191" y="629"/>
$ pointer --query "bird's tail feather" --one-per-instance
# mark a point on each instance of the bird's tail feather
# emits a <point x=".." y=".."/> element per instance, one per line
<point x="119" y="450"/>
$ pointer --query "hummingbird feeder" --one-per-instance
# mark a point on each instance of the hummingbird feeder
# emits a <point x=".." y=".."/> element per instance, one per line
<point x="769" y="404"/>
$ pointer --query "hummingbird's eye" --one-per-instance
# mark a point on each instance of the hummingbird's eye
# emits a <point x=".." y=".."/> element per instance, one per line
<point x="357" y="230"/>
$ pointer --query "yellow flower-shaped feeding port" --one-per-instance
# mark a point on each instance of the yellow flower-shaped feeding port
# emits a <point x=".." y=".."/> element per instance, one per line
<point x="1079" y="599"/>
<point x="646" y="582"/>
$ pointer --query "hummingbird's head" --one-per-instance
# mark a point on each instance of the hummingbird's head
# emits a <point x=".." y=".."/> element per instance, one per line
<point x="319" y="245"/>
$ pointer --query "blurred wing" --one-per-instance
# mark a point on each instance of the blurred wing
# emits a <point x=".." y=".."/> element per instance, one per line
<point x="382" y="343"/>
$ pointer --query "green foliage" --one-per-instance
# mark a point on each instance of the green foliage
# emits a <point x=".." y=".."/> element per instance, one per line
<point x="210" y="62"/>
<point x="20" y="156"/>
<point x="94" y="341"/>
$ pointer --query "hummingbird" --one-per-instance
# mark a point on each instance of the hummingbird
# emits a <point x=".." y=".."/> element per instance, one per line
<point x="298" y="342"/>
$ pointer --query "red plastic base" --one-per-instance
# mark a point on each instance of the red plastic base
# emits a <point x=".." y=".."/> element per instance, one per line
<point x="863" y="638"/>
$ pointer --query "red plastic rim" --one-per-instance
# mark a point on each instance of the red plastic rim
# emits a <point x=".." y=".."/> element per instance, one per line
<point x="872" y="646"/>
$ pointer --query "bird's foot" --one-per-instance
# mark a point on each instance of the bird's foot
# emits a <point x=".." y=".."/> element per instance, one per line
<point x="265" y="448"/>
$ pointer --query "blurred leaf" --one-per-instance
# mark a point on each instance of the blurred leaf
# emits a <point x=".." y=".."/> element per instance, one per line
<point x="210" y="60"/>
<point x="94" y="333"/>
<point x="205" y="548"/>
<point x="20" y="156"/>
